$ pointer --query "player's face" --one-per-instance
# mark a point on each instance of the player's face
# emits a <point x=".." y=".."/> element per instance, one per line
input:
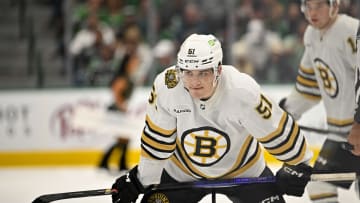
<point x="199" y="82"/>
<point x="317" y="13"/>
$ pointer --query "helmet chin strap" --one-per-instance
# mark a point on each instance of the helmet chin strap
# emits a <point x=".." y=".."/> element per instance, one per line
<point x="217" y="72"/>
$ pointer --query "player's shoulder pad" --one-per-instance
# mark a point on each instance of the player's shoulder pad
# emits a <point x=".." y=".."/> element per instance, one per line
<point x="308" y="35"/>
<point x="241" y="85"/>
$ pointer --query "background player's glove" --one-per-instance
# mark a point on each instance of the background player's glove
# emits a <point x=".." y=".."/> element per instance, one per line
<point x="128" y="187"/>
<point x="354" y="138"/>
<point x="291" y="180"/>
<point x="282" y="103"/>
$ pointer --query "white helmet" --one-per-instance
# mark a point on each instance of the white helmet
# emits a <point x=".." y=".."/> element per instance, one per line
<point x="199" y="52"/>
<point x="331" y="3"/>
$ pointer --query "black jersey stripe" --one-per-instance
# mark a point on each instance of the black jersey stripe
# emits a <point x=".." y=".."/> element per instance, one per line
<point x="306" y="82"/>
<point x="157" y="148"/>
<point x="251" y="157"/>
<point x="309" y="93"/>
<point x="179" y="155"/>
<point x="158" y="130"/>
<point x="289" y="144"/>
<point x="147" y="153"/>
<point x="298" y="156"/>
<point x="290" y="135"/>
<point x="152" y="139"/>
<point x="243" y="154"/>
<point x="252" y="161"/>
<point x="278" y="131"/>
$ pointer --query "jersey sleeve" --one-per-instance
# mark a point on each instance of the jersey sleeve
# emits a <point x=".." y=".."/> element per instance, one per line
<point x="158" y="139"/>
<point x="306" y="93"/>
<point x="275" y="129"/>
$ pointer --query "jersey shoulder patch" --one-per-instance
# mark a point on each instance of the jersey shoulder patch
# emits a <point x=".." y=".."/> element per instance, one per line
<point x="171" y="80"/>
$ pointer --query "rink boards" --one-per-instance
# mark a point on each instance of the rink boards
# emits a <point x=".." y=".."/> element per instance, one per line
<point x="72" y="126"/>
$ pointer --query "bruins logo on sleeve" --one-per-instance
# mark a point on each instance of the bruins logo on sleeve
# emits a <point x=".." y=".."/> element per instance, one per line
<point x="158" y="198"/>
<point x="170" y="78"/>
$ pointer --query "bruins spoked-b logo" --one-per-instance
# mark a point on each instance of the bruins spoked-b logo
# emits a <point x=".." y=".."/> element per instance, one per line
<point x="158" y="198"/>
<point x="205" y="146"/>
<point x="329" y="81"/>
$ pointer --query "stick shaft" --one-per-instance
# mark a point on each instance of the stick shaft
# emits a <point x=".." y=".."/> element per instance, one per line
<point x="344" y="145"/>
<point x="67" y="195"/>
<point x="321" y="131"/>
<point x="334" y="177"/>
<point x="254" y="180"/>
<point x="195" y="184"/>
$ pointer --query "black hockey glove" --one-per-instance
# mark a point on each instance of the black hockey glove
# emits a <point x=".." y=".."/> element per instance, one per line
<point x="128" y="187"/>
<point x="291" y="180"/>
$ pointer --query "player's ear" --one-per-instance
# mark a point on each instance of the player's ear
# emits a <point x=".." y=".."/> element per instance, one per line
<point x="219" y="69"/>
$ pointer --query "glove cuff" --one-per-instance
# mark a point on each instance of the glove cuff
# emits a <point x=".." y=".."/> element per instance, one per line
<point x="133" y="177"/>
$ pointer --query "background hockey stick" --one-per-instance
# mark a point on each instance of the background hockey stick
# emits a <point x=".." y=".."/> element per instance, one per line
<point x="321" y="131"/>
<point x="344" y="145"/>
<point x="196" y="184"/>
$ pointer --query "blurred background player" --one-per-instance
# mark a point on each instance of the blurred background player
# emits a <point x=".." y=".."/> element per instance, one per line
<point x="205" y="120"/>
<point x="121" y="88"/>
<point x="354" y="136"/>
<point x="327" y="73"/>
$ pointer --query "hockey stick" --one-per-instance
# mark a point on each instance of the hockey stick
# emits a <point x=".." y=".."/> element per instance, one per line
<point x="68" y="195"/>
<point x="344" y="145"/>
<point x="195" y="184"/>
<point x="325" y="177"/>
<point x="321" y="131"/>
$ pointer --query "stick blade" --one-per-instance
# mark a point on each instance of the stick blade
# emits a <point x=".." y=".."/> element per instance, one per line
<point x="68" y="195"/>
<point x="39" y="200"/>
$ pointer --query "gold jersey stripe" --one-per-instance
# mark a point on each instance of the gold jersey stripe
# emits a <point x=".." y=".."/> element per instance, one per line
<point x="277" y="131"/>
<point x="306" y="82"/>
<point x="300" y="157"/>
<point x="338" y="122"/>
<point x="157" y="145"/>
<point x="309" y="71"/>
<point x="180" y="165"/>
<point x="247" y="165"/>
<point x="158" y="129"/>
<point x="322" y="196"/>
<point x="242" y="154"/>
<point x="143" y="153"/>
<point x="286" y="146"/>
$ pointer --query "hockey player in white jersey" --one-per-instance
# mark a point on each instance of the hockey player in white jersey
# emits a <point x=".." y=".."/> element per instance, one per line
<point x="206" y="120"/>
<point x="327" y="73"/>
<point x="354" y="136"/>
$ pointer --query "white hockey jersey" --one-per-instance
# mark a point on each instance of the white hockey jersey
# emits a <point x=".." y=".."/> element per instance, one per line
<point x="217" y="138"/>
<point x="357" y="78"/>
<point x="327" y="72"/>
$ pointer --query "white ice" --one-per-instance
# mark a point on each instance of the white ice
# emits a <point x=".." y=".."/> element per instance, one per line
<point x="23" y="185"/>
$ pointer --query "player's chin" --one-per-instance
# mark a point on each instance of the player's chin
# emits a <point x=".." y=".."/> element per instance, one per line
<point x="196" y="93"/>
